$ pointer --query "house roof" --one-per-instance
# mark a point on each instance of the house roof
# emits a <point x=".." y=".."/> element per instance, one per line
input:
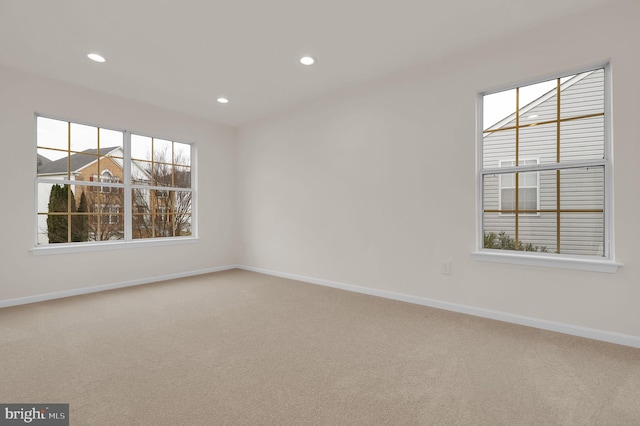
<point x="42" y="160"/>
<point x="77" y="160"/>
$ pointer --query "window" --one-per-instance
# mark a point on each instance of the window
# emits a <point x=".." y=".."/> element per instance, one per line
<point x="96" y="185"/>
<point x="110" y="214"/>
<point x="544" y="167"/>
<point x="105" y="176"/>
<point x="527" y="190"/>
<point x="162" y="195"/>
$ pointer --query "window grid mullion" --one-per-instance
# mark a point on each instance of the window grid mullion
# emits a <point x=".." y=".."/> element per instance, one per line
<point x="544" y="167"/>
<point x="128" y="203"/>
<point x="558" y="201"/>
<point x="517" y="175"/>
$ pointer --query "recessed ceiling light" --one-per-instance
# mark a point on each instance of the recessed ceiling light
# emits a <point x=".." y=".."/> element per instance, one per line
<point x="95" y="57"/>
<point x="222" y="100"/>
<point x="533" y="116"/>
<point x="307" y="60"/>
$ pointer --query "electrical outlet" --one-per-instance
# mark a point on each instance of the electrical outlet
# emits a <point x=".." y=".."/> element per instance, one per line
<point x="446" y="268"/>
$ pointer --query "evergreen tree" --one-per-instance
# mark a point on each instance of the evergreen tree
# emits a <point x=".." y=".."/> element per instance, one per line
<point x="80" y="229"/>
<point x="58" y="225"/>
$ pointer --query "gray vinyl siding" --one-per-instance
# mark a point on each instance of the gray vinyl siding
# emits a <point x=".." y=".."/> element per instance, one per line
<point x="580" y="188"/>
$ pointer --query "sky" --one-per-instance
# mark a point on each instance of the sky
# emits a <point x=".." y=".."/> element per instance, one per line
<point x="499" y="105"/>
<point x="54" y="134"/>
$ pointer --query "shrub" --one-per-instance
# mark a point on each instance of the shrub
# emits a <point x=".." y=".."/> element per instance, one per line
<point x="502" y="241"/>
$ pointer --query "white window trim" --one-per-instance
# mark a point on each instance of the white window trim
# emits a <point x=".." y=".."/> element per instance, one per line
<point x="128" y="242"/>
<point x="548" y="260"/>
<point x="606" y="263"/>
<point x="64" y="248"/>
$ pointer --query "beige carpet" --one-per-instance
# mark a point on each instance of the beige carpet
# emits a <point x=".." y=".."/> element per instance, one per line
<point x="240" y="348"/>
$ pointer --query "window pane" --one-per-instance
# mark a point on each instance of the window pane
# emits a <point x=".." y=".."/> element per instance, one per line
<point x="582" y="140"/>
<point x="582" y="234"/>
<point x="141" y="172"/>
<point x="111" y="226"/>
<point x="584" y="96"/>
<point x="538" y="103"/>
<point x="528" y="199"/>
<point x="528" y="179"/>
<point x="161" y="213"/>
<point x="112" y="143"/>
<point x="107" y="220"/>
<point x="182" y="212"/>
<point x="52" y="134"/>
<point x="508" y="199"/>
<point x="497" y="147"/>
<point x="538" y="142"/>
<point x="162" y="151"/>
<point x="490" y="188"/>
<point x="142" y="226"/>
<point x="182" y="177"/>
<point x="537" y="232"/>
<point x="497" y="107"/>
<point x="84" y="166"/>
<point x="497" y="231"/>
<point x="182" y="154"/>
<point x="183" y="225"/>
<point x="582" y="188"/>
<point x="162" y="174"/>
<point x="141" y="148"/>
<point x="84" y="138"/>
<point x="533" y="94"/>
<point x="508" y="180"/>
<point x="57" y="228"/>
<point x="140" y="200"/>
<point x="98" y="198"/>
<point x="51" y="163"/>
<point x="548" y="193"/>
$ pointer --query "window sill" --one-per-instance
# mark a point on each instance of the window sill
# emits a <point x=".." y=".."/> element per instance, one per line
<point x="110" y="245"/>
<point x="581" y="263"/>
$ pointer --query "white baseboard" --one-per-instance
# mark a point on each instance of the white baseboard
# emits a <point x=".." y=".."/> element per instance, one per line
<point x="574" y="330"/>
<point x="86" y="290"/>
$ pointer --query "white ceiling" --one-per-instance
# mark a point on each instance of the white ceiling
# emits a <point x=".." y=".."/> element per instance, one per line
<point x="183" y="54"/>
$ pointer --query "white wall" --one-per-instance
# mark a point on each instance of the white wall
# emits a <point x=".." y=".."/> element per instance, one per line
<point x="375" y="187"/>
<point x="23" y="274"/>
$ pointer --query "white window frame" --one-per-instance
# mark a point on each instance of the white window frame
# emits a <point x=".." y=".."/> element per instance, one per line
<point x="605" y="263"/>
<point x="126" y="185"/>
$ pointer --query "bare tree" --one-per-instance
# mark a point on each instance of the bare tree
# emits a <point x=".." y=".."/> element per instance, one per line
<point x="106" y="218"/>
<point x="163" y="212"/>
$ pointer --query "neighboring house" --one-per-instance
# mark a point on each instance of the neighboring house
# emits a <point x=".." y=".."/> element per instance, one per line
<point x="152" y="209"/>
<point x="86" y="166"/>
<point x="582" y="230"/>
